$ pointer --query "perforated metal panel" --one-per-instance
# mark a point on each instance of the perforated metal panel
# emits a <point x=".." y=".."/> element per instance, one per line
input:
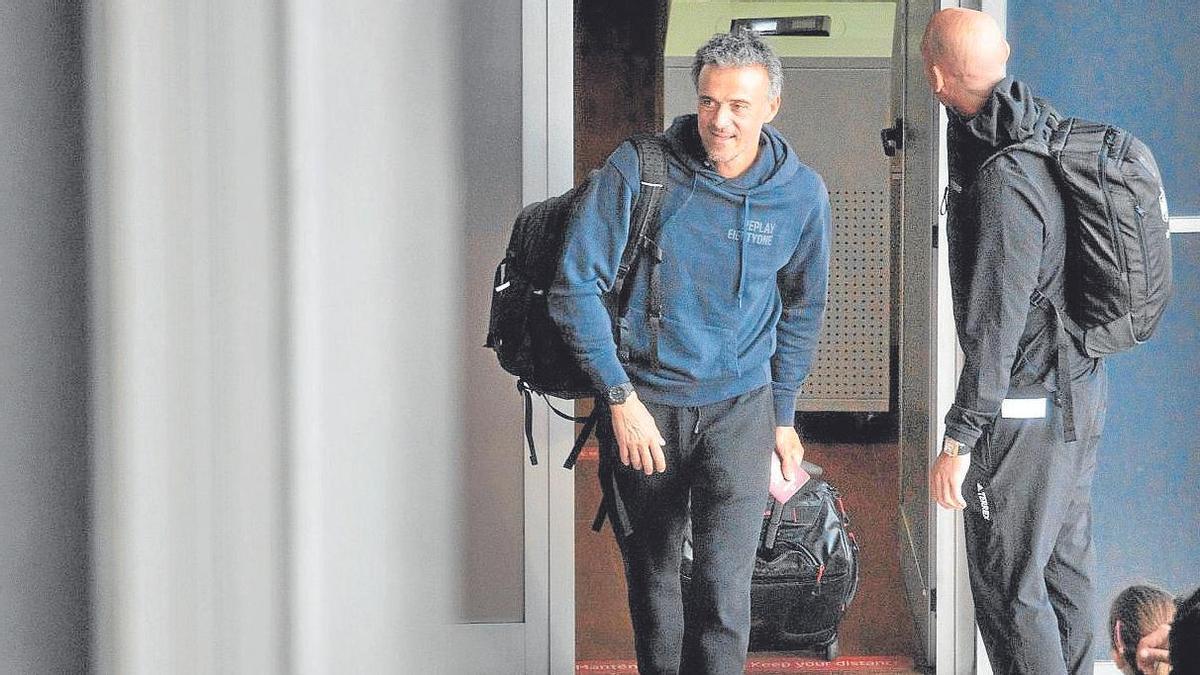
<point x="852" y="368"/>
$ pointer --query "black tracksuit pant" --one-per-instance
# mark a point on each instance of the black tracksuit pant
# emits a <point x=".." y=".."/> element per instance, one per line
<point x="719" y="456"/>
<point x="1029" y="537"/>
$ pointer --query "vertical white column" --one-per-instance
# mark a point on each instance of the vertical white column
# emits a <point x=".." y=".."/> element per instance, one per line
<point x="308" y="622"/>
<point x="959" y="650"/>
<point x="535" y="179"/>
<point x="187" y="415"/>
<point x="560" y="138"/>
<point x="548" y="168"/>
<point x="375" y="145"/>
<point x="998" y="9"/>
<point x="152" y="488"/>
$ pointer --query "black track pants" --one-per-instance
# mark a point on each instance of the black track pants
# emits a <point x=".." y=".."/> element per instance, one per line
<point x="1029" y="537"/>
<point x="719" y="455"/>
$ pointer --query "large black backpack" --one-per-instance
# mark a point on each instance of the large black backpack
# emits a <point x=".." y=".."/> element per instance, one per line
<point x="805" y="571"/>
<point x="1118" y="259"/>
<point x="526" y="340"/>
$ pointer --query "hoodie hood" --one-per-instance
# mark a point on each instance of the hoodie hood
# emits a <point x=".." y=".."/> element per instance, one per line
<point x="1011" y="114"/>
<point x="768" y="177"/>
<point x="776" y="165"/>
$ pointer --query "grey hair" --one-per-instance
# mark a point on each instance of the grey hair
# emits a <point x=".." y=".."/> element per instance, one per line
<point x="739" y="49"/>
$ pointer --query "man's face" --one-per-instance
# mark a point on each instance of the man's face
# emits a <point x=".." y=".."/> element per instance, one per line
<point x="733" y="103"/>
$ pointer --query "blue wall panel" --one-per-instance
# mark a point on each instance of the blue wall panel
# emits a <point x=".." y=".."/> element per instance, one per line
<point x="1136" y="64"/>
<point x="1131" y="63"/>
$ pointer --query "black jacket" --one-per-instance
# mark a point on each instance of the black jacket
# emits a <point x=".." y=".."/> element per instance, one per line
<point x="1006" y="226"/>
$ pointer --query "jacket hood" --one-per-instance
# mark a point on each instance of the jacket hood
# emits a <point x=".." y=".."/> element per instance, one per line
<point x="683" y="136"/>
<point x="1011" y="114"/>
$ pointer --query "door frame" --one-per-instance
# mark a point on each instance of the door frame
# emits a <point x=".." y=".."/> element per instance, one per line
<point x="929" y="354"/>
<point x="547" y="168"/>
<point x="543" y="641"/>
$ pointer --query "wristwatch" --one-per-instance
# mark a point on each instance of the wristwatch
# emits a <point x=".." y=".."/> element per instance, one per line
<point x="954" y="448"/>
<point x="616" y="394"/>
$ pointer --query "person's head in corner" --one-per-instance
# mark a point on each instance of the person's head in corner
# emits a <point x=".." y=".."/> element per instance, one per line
<point x="738" y="80"/>
<point x="1136" y="611"/>
<point x="965" y="56"/>
<point x="1184" y="639"/>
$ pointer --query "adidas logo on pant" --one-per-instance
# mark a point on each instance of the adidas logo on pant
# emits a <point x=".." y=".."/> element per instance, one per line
<point x="983" y="502"/>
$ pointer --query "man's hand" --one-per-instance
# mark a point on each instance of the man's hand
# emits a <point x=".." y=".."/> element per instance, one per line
<point x="946" y="479"/>
<point x="789" y="449"/>
<point x="638" y="440"/>
<point x="1152" y="650"/>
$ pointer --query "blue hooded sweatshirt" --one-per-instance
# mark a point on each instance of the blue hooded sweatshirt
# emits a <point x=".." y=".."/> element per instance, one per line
<point x="744" y="276"/>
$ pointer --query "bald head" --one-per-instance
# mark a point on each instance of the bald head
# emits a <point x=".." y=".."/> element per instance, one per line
<point x="964" y="54"/>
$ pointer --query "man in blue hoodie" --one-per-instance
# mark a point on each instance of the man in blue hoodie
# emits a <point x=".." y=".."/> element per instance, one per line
<point x="721" y="334"/>
<point x="1028" y="490"/>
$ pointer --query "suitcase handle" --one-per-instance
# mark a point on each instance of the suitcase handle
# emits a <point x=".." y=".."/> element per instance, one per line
<point x="813" y="470"/>
<point x="773" y="525"/>
<point x="772" y="533"/>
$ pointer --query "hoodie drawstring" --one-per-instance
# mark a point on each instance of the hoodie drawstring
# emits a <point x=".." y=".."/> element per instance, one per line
<point x="742" y="249"/>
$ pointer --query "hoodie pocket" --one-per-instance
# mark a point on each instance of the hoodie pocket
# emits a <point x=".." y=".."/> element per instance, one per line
<point x="690" y="352"/>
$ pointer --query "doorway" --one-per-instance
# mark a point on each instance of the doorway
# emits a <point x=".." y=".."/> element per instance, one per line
<point x="876" y="455"/>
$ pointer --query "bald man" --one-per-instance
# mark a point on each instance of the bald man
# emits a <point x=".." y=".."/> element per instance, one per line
<point x="1006" y="458"/>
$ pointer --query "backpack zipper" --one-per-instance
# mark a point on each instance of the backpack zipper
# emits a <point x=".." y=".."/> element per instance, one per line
<point x="1118" y="159"/>
<point x="1118" y="243"/>
<point x="1141" y="226"/>
<point x="1141" y="221"/>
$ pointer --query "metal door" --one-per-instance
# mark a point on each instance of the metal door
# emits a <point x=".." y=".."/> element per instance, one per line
<point x="932" y="555"/>
<point x="912" y="177"/>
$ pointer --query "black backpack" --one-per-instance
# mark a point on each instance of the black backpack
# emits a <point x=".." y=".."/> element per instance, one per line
<point x="526" y="340"/>
<point x="1118" y="259"/>
<point x="805" y="571"/>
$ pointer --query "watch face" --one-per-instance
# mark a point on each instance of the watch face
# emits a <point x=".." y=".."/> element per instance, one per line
<point x="616" y="395"/>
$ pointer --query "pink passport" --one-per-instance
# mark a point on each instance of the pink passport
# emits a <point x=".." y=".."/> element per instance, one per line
<point x="782" y="489"/>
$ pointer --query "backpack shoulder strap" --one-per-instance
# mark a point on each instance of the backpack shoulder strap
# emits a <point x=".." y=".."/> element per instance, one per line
<point x="1065" y="330"/>
<point x="643" y="224"/>
<point x="649" y="221"/>
<point x="652" y="158"/>
<point x="1058" y="139"/>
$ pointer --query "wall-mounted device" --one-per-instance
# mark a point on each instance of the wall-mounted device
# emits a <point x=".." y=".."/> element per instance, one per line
<point x="785" y="25"/>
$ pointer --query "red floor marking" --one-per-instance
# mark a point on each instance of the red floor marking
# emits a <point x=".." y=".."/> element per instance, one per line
<point x="775" y="664"/>
<point x="800" y="664"/>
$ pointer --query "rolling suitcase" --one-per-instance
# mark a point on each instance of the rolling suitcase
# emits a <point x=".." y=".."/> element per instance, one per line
<point x="805" y="571"/>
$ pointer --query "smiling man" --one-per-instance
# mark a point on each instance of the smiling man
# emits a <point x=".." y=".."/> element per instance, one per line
<point x="721" y="333"/>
